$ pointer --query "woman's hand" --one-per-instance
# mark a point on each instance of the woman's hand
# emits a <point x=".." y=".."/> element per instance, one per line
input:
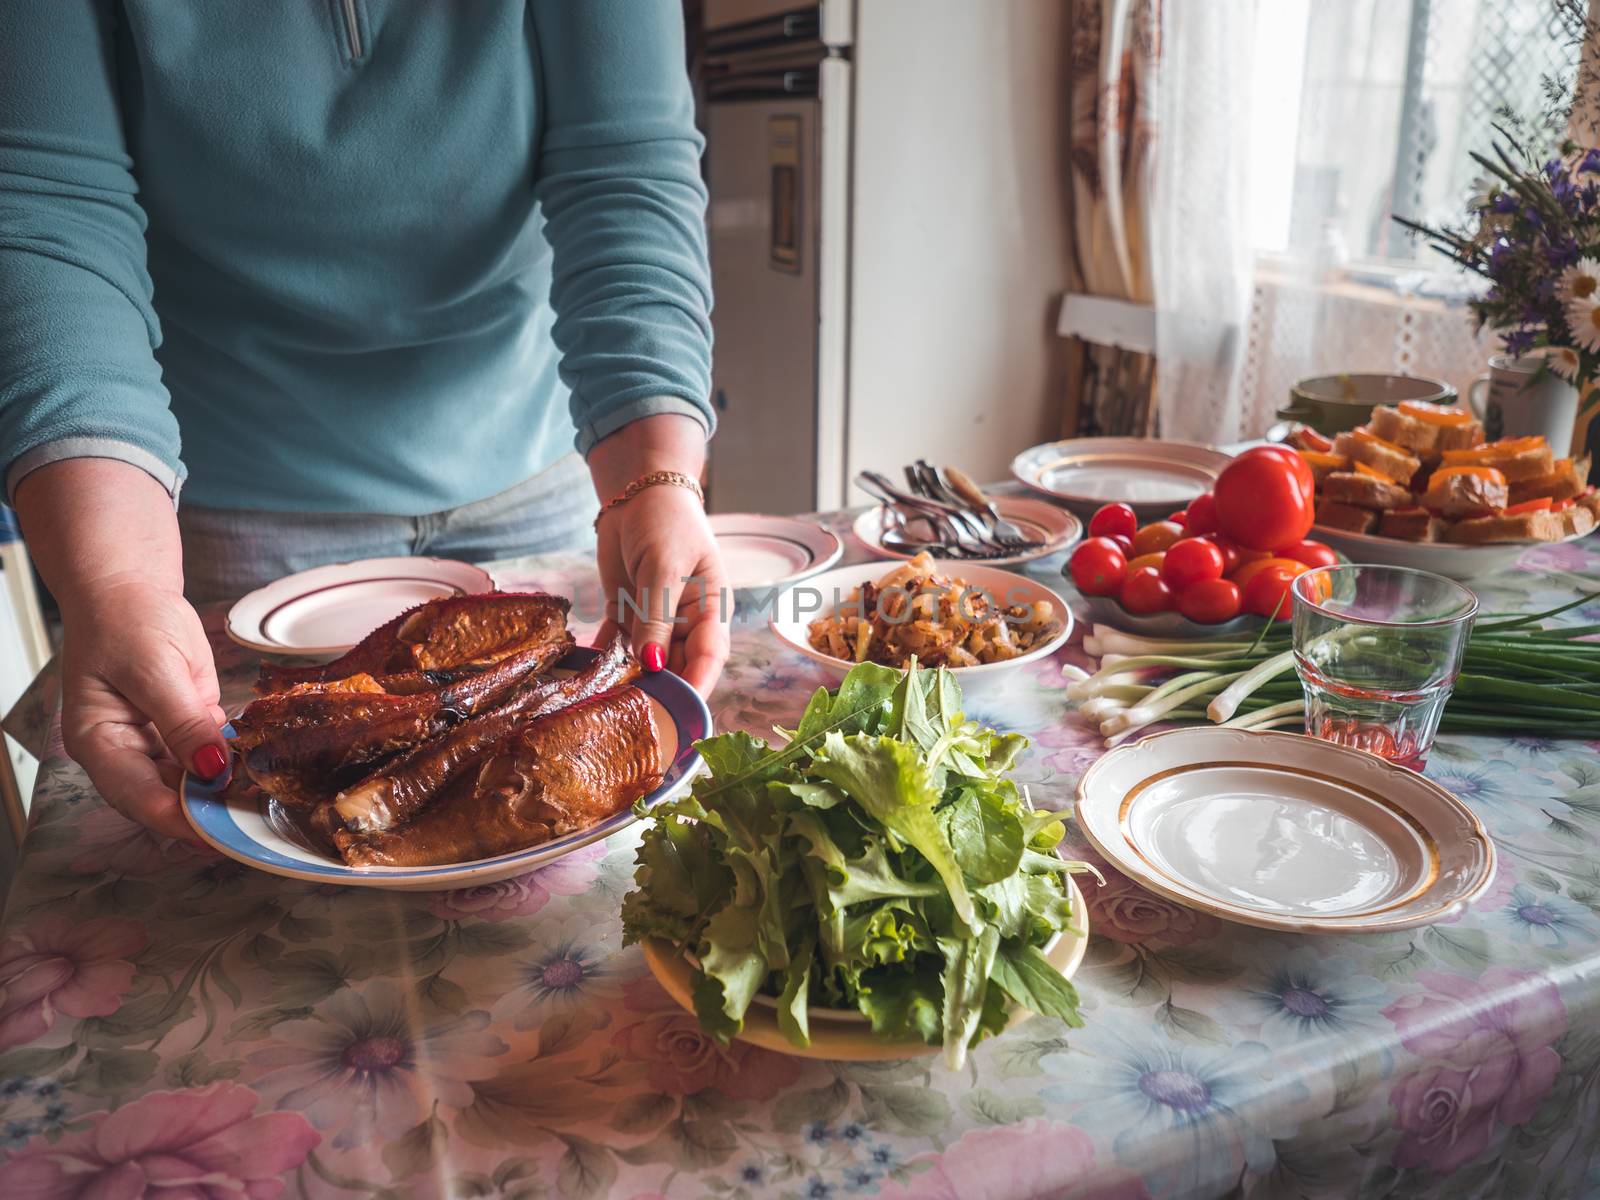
<point x="139" y="699"/>
<point x="138" y="687"/>
<point x="657" y="550"/>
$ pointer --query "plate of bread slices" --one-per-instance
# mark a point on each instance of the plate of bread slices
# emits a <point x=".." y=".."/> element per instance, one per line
<point x="1419" y="486"/>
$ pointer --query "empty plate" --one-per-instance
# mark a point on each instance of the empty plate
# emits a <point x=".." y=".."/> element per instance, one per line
<point x="760" y="551"/>
<point x="327" y="610"/>
<point x="1154" y="476"/>
<point x="1054" y="527"/>
<point x="1284" y="831"/>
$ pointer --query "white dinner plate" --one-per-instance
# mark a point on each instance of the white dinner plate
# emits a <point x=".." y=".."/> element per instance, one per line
<point x="245" y="825"/>
<point x="1284" y="831"/>
<point x="760" y="551"/>
<point x="1055" y="527"/>
<point x="1156" y="477"/>
<point x="1451" y="559"/>
<point x="824" y="593"/>
<point x="840" y="1035"/>
<point x="327" y="610"/>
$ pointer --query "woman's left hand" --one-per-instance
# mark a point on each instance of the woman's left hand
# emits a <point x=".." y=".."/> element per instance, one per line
<point x="657" y="550"/>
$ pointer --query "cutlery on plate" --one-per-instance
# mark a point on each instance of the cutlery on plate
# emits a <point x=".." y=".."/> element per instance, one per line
<point x="1004" y="531"/>
<point x="952" y="537"/>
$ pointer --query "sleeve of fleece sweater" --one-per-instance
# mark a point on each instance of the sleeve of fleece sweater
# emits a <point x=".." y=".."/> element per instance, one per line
<point x="619" y="185"/>
<point x="78" y="376"/>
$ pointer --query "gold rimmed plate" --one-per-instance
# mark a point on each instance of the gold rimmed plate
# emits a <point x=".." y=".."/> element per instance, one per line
<point x="1156" y="477"/>
<point x="1284" y="831"/>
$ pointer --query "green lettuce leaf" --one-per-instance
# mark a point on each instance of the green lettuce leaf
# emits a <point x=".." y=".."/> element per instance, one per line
<point x="902" y="1003"/>
<point x="1029" y="979"/>
<point x="967" y="962"/>
<point x="889" y="781"/>
<point x="793" y="1016"/>
<point x="985" y="834"/>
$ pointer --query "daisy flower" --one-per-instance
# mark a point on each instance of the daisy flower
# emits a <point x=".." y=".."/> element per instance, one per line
<point x="1580" y="281"/>
<point x="1562" y="360"/>
<point x="1583" y="317"/>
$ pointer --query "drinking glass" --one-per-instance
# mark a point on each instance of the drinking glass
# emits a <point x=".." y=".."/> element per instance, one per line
<point x="1378" y="650"/>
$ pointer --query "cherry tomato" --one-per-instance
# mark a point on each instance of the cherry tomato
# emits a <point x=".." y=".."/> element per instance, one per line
<point x="1261" y="500"/>
<point x="1238" y="554"/>
<point x="1201" y="515"/>
<point x="1155" y="560"/>
<point x="1098" y="567"/>
<point x="1124" y="542"/>
<point x="1268" y="594"/>
<point x="1156" y="536"/>
<point x="1230" y="553"/>
<point x="1191" y="561"/>
<point x="1210" y="602"/>
<point x="1112" y="519"/>
<point x="1313" y="554"/>
<point x="1250" y="570"/>
<point x="1179" y="519"/>
<point x="1144" y="591"/>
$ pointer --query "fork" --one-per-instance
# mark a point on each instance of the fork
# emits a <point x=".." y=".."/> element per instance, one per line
<point x="926" y="483"/>
<point x="1003" y="531"/>
<point x="955" y="536"/>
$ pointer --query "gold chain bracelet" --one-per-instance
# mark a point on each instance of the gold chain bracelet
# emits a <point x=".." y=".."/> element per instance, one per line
<point x="653" y="479"/>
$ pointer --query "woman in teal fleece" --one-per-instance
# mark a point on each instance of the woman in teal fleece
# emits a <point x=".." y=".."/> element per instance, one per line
<point x="383" y="265"/>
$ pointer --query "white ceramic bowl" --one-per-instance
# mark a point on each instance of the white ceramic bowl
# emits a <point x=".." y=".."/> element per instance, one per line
<point x="1450" y="559"/>
<point x="806" y="601"/>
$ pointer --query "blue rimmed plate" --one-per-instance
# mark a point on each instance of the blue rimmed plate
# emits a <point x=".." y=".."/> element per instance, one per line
<point x="243" y="824"/>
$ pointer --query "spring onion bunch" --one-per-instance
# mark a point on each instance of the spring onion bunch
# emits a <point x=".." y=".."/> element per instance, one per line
<point x="1517" y="675"/>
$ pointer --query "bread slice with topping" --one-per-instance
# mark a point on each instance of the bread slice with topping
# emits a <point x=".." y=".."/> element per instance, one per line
<point x="1347" y="517"/>
<point x="1365" y="490"/>
<point x="1576" y="520"/>
<point x="1412" y="525"/>
<point x="1466" y="491"/>
<point x="1541" y="525"/>
<point x="1391" y="461"/>
<point x="1518" y="459"/>
<point x="1567" y="480"/>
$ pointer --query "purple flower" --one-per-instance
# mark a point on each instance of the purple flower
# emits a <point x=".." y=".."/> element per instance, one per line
<point x="1590" y="164"/>
<point x="1504" y="202"/>
<point x="1518" y="341"/>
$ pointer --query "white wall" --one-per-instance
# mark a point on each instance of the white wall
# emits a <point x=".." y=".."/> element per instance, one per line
<point x="959" y="242"/>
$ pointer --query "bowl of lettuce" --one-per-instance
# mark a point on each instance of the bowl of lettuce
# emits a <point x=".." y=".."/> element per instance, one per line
<point x="878" y="861"/>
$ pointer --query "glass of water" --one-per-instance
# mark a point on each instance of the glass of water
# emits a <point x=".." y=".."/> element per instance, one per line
<point x="1378" y="650"/>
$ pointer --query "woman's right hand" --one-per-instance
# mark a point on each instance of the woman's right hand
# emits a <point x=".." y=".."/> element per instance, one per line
<point x="138" y="686"/>
<point x="139" y="698"/>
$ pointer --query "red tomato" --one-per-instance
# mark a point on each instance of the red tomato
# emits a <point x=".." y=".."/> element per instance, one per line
<point x="1210" y="602"/>
<point x="1291" y="459"/>
<point x="1230" y="553"/>
<point x="1147" y="560"/>
<point x="1313" y="554"/>
<point x="1098" y="567"/>
<point x="1113" y="519"/>
<point x="1251" y="569"/>
<point x="1201" y="515"/>
<point x="1191" y="561"/>
<point x="1262" y="502"/>
<point x="1267" y="594"/>
<point x="1124" y="543"/>
<point x="1156" y="536"/>
<point x="1179" y="519"/>
<point x="1144" y="591"/>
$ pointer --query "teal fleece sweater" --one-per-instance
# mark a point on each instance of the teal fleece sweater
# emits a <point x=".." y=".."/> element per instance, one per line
<point x="364" y="255"/>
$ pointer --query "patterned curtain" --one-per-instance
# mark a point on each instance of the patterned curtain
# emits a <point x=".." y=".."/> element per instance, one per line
<point x="1115" y="47"/>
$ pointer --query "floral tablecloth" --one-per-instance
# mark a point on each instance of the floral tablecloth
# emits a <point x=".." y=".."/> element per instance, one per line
<point x="173" y="1024"/>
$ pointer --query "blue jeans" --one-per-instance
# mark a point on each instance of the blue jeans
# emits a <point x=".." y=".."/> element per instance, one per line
<point x="230" y="551"/>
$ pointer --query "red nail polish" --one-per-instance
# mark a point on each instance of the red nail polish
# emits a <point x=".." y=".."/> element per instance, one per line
<point x="209" y="762"/>
<point x="654" y="657"/>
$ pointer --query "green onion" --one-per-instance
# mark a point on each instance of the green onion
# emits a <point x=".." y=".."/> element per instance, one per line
<point x="1517" y="675"/>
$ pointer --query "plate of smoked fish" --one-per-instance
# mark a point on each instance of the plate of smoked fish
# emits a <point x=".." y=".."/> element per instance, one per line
<point x="466" y="740"/>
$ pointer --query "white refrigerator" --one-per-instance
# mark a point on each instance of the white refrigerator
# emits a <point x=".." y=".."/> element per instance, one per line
<point x="888" y="230"/>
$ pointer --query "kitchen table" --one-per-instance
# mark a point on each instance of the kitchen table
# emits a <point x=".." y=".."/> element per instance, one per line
<point x="171" y="1019"/>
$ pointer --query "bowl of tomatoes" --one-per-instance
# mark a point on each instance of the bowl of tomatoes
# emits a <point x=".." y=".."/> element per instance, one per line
<point x="1221" y="565"/>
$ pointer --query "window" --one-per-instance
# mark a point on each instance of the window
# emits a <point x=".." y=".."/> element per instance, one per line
<point x="1366" y="107"/>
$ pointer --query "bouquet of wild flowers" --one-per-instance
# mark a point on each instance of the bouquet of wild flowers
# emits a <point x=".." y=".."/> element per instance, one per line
<point x="1533" y="231"/>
